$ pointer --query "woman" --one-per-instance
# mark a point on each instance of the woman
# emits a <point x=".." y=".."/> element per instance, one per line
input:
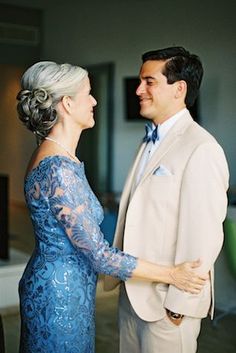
<point x="57" y="289"/>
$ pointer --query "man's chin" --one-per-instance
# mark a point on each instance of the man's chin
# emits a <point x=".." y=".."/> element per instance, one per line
<point x="145" y="114"/>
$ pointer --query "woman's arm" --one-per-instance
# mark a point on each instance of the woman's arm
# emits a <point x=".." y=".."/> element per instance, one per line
<point x="183" y="276"/>
<point x="72" y="208"/>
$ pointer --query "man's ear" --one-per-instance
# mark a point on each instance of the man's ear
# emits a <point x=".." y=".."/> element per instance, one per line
<point x="181" y="89"/>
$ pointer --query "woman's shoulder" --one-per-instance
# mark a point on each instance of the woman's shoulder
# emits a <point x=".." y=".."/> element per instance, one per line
<point x="42" y="164"/>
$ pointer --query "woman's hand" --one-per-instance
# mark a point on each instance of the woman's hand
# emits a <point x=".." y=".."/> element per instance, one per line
<point x="186" y="278"/>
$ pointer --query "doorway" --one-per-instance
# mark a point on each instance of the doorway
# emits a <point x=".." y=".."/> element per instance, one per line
<point x="96" y="145"/>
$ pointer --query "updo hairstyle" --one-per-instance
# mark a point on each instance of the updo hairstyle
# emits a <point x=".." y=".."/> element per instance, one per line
<point x="42" y="87"/>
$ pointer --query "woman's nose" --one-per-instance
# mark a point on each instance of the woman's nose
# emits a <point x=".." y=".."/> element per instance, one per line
<point x="94" y="102"/>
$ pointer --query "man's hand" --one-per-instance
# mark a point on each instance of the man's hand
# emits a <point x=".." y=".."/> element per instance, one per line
<point x="175" y="318"/>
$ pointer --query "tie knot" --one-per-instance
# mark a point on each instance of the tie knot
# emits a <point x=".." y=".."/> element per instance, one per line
<point x="151" y="134"/>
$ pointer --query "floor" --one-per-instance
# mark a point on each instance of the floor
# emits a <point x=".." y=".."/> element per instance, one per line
<point x="220" y="339"/>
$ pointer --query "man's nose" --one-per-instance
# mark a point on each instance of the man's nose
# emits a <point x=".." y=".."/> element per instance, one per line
<point x="140" y="89"/>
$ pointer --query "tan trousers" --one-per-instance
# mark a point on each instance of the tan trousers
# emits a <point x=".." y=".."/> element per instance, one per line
<point x="162" y="336"/>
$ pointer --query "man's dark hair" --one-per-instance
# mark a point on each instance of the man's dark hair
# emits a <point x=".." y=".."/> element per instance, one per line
<point x="180" y="65"/>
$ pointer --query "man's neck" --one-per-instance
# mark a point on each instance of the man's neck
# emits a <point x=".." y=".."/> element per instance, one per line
<point x="161" y="119"/>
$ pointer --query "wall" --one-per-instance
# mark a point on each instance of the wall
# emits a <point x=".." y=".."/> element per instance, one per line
<point x="120" y="31"/>
<point x="16" y="142"/>
<point x="18" y="48"/>
<point x="92" y="32"/>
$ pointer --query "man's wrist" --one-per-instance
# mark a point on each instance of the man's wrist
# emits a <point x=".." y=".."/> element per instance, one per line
<point x="174" y="316"/>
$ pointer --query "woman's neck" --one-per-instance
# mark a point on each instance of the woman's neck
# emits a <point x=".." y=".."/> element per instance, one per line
<point x="67" y="136"/>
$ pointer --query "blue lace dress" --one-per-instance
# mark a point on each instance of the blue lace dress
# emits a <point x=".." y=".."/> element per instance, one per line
<point x="58" y="287"/>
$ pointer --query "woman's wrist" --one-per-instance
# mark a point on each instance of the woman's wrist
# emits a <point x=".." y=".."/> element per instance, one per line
<point x="153" y="272"/>
<point x="169" y="275"/>
<point x="165" y="275"/>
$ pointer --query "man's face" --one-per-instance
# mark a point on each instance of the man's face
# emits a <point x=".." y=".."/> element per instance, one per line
<point x="157" y="98"/>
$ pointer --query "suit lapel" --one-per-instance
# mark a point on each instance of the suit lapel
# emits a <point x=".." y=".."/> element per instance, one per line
<point x="124" y="202"/>
<point x="170" y="139"/>
<point x="130" y="179"/>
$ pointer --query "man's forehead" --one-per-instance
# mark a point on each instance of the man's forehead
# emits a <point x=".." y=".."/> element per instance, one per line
<point x="152" y="69"/>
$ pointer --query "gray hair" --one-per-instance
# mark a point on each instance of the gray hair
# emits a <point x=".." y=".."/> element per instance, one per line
<point x="43" y="85"/>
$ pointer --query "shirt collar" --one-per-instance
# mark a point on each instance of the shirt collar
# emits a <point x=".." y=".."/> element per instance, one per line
<point x="167" y="125"/>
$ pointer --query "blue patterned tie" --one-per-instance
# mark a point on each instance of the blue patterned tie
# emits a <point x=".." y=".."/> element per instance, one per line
<point x="151" y="134"/>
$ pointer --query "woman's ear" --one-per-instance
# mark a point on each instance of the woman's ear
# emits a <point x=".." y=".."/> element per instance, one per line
<point x="66" y="103"/>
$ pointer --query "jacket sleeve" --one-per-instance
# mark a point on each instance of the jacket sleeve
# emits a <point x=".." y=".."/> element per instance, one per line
<point x="203" y="206"/>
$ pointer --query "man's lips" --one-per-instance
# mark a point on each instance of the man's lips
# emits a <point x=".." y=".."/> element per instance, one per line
<point x="144" y="100"/>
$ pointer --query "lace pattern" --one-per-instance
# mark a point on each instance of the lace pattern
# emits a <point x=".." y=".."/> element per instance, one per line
<point x="58" y="287"/>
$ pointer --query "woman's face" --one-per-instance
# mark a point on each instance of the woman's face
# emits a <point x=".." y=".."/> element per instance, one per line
<point x="82" y="106"/>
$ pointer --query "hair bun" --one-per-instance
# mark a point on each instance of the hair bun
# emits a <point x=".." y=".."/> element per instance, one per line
<point x="42" y="97"/>
<point x="36" y="111"/>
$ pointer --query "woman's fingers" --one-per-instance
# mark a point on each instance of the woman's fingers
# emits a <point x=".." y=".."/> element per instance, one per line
<point x="195" y="264"/>
<point x="194" y="291"/>
<point x="187" y="279"/>
<point x="195" y="284"/>
<point x="199" y="279"/>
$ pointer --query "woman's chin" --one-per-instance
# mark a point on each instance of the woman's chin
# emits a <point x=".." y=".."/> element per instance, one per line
<point x="90" y="125"/>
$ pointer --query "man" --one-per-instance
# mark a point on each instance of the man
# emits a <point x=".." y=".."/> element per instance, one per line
<point x="172" y="207"/>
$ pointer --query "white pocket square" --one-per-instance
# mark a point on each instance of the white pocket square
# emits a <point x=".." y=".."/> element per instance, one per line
<point x="162" y="171"/>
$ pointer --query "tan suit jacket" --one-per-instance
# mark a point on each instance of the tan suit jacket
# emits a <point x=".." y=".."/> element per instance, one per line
<point x="174" y="216"/>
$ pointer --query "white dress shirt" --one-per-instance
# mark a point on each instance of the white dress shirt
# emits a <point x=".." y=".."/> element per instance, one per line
<point x="151" y="147"/>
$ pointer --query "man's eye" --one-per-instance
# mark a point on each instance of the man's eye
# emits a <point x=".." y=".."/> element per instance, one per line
<point x="150" y="83"/>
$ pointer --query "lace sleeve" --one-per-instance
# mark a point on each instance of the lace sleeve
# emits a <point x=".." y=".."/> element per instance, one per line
<point x="69" y="201"/>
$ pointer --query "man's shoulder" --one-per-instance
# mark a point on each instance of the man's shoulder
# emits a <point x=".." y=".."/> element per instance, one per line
<point x="199" y="135"/>
<point x="197" y="138"/>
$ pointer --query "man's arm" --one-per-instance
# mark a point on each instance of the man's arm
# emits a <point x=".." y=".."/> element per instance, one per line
<point x="203" y="205"/>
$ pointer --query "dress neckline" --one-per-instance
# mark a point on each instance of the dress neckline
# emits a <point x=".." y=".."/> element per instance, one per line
<point x="45" y="159"/>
